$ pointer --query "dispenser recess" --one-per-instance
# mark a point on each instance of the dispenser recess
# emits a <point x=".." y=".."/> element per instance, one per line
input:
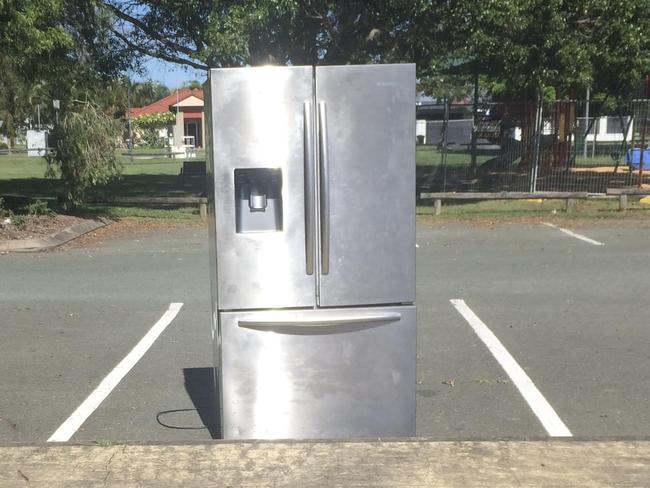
<point x="258" y="200"/>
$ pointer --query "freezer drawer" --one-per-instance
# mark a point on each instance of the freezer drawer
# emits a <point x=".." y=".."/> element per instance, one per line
<point x="336" y="373"/>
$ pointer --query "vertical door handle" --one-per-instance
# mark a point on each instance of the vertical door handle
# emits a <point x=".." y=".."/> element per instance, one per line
<point x="324" y="190"/>
<point x="310" y="186"/>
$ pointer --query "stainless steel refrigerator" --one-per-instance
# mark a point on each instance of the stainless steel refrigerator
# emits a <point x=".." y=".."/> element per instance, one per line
<point x="312" y="246"/>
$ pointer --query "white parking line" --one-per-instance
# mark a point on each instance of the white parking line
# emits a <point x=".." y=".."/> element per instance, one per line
<point x="99" y="394"/>
<point x="573" y="234"/>
<point x="538" y="404"/>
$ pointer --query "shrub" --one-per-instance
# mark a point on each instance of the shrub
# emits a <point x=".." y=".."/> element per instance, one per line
<point x="18" y="221"/>
<point x="84" y="152"/>
<point x="39" y="207"/>
<point x="147" y="127"/>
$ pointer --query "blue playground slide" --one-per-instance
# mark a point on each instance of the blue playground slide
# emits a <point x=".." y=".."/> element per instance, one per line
<point x="633" y="158"/>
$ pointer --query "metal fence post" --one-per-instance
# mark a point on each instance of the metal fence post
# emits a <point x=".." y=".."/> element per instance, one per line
<point x="644" y="128"/>
<point x="443" y="155"/>
<point x="474" y="125"/>
<point x="536" y="146"/>
<point x="585" y="148"/>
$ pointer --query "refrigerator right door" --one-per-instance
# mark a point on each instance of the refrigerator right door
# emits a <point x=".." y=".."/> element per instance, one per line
<point x="366" y="138"/>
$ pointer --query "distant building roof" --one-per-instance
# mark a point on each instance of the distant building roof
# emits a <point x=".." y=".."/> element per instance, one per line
<point x="162" y="105"/>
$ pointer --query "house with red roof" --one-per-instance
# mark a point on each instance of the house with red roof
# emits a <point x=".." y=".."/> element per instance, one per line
<point x="187" y="105"/>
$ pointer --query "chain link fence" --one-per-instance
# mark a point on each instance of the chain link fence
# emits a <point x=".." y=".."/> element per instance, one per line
<point x="570" y="145"/>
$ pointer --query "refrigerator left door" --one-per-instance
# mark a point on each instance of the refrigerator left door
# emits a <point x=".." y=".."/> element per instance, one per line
<point x="261" y="144"/>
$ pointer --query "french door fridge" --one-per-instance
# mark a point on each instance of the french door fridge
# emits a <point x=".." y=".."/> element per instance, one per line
<point x="312" y="245"/>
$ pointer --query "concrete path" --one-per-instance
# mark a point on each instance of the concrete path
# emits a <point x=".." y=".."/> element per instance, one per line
<point x="416" y="463"/>
<point x="53" y="240"/>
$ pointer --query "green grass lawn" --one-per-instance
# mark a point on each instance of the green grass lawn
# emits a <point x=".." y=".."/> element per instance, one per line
<point x="20" y="166"/>
<point x="25" y="176"/>
<point x="432" y="156"/>
<point x="22" y="175"/>
<point x="118" y="212"/>
<point x="509" y="209"/>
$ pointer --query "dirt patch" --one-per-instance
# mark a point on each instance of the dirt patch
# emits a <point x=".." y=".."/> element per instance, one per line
<point x="129" y="226"/>
<point x="34" y="226"/>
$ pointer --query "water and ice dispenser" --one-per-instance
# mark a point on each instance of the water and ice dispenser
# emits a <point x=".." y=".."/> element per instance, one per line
<point x="258" y="199"/>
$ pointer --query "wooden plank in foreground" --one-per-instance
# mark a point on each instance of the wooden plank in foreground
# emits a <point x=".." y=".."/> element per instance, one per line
<point x="394" y="464"/>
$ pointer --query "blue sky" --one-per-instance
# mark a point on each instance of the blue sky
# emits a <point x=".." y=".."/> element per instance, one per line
<point x="169" y="74"/>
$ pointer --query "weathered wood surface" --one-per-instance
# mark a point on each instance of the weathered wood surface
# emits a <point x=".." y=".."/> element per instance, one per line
<point x="416" y="463"/>
<point x="155" y="200"/>
<point x="194" y="167"/>
<point x="504" y="195"/>
<point x="628" y="191"/>
<point x="202" y="202"/>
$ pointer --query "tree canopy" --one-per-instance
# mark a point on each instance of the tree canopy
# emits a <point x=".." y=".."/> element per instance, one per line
<point x="206" y="33"/>
<point x="567" y="45"/>
<point x="516" y="47"/>
<point x="54" y="49"/>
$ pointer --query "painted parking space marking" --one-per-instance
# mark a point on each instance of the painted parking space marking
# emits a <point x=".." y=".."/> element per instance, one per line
<point x="99" y="394"/>
<point x="574" y="234"/>
<point x="536" y="401"/>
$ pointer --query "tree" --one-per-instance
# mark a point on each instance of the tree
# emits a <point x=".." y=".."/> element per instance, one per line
<point x="148" y="127"/>
<point x="27" y="29"/>
<point x="84" y="154"/>
<point x="206" y="33"/>
<point x="622" y="57"/>
<point x="26" y="34"/>
<point x="118" y="95"/>
<point x="193" y="85"/>
<point x="527" y="46"/>
<point x="55" y="49"/>
<point x="12" y="99"/>
<point x="143" y="93"/>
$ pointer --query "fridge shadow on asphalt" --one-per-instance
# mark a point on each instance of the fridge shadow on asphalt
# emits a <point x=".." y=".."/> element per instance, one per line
<point x="199" y="384"/>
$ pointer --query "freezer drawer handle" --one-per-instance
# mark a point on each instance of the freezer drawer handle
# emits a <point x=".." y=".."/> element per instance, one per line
<point x="324" y="190"/>
<point x="320" y="322"/>
<point x="310" y="198"/>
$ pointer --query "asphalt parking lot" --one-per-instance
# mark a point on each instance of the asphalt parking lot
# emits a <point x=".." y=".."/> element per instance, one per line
<point x="571" y="314"/>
